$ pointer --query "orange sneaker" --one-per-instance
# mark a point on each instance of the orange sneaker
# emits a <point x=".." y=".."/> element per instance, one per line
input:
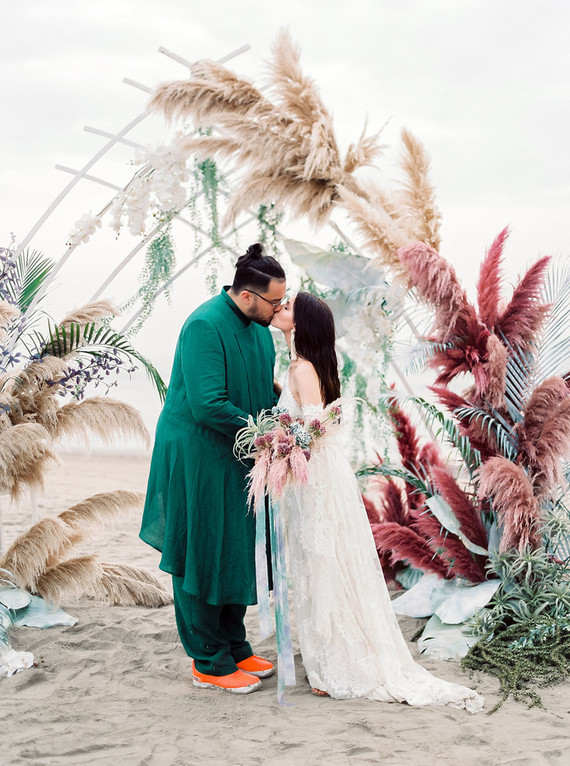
<point x="237" y="682"/>
<point x="257" y="666"/>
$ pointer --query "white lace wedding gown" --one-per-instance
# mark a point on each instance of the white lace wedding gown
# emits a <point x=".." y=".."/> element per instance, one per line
<point x="350" y="640"/>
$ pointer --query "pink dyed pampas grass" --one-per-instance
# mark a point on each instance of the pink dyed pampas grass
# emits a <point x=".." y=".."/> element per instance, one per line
<point x="403" y="544"/>
<point x="521" y="320"/>
<point x="468" y="515"/>
<point x="513" y="498"/>
<point x="489" y="284"/>
<point x="437" y="284"/>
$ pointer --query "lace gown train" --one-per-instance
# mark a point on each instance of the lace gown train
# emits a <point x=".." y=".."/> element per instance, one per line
<point x="349" y="637"/>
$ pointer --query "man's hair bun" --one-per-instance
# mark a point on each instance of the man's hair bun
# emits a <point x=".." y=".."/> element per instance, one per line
<point x="255" y="251"/>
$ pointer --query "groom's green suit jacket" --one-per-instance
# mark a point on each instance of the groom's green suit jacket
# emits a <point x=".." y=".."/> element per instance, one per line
<point x="195" y="510"/>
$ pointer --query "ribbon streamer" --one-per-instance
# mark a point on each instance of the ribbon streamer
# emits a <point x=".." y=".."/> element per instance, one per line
<point x="285" y="657"/>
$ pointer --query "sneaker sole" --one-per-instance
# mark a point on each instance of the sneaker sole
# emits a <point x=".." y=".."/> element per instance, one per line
<point x="236" y="690"/>
<point x="260" y="673"/>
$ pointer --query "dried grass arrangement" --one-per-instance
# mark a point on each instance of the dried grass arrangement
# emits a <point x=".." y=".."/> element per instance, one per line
<point x="285" y="148"/>
<point x="46" y="368"/>
<point x="513" y="419"/>
<point x="41" y="561"/>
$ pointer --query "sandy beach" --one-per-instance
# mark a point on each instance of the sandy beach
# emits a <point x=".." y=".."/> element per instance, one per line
<point x="116" y="688"/>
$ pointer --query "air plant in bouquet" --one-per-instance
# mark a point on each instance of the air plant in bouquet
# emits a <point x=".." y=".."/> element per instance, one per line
<point x="46" y="367"/>
<point x="281" y="447"/>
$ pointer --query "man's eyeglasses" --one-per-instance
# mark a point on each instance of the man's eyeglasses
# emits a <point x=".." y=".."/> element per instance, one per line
<point x="275" y="304"/>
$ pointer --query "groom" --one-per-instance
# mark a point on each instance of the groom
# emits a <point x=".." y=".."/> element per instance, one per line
<point x="195" y="511"/>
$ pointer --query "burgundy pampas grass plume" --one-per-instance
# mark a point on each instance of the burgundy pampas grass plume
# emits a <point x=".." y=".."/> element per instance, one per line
<point x="371" y="511"/>
<point x="460" y="561"/>
<point x="393" y="508"/>
<point x="552" y="447"/>
<point x="544" y="400"/>
<point x="523" y="317"/>
<point x="403" y="544"/>
<point x="408" y="448"/>
<point x="507" y="484"/>
<point x="430" y="455"/>
<point x="462" y="506"/>
<point x="437" y="284"/>
<point x="489" y="284"/>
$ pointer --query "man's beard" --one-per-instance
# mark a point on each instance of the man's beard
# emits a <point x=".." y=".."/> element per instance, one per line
<point x="264" y="322"/>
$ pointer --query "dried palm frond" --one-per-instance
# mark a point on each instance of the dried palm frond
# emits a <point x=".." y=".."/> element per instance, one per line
<point x="481" y="438"/>
<point x="107" y="418"/>
<point x="521" y="320"/>
<point x="403" y="544"/>
<point x="507" y="484"/>
<point x="423" y="218"/>
<point x="489" y="283"/>
<point x="462" y="505"/>
<point x="91" y="312"/>
<point x="24" y="455"/>
<point x="552" y="447"/>
<point x="28" y="556"/>
<point x="437" y="283"/>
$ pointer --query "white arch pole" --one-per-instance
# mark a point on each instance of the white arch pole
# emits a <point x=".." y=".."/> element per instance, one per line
<point x="43" y="218"/>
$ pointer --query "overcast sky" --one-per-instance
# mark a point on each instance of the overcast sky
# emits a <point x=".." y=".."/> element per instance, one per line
<point x="485" y="84"/>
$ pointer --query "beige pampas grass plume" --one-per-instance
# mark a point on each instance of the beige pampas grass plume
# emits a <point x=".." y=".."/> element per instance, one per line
<point x="422" y="215"/>
<point x="38" y="560"/>
<point x="91" y="312"/>
<point x="7" y="313"/>
<point x="380" y="234"/>
<point x="25" y="451"/>
<point x="115" y="584"/>
<point x="48" y="542"/>
<point x="107" y="418"/>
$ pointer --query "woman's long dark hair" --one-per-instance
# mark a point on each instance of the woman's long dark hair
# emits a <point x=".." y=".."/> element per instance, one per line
<point x="314" y="341"/>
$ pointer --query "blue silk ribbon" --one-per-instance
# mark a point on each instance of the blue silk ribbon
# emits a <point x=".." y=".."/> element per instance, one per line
<point x="285" y="657"/>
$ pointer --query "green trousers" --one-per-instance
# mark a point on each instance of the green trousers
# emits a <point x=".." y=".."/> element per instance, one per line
<point x="214" y="636"/>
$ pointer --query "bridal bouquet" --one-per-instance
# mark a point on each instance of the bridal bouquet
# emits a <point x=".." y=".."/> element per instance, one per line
<point x="281" y="447"/>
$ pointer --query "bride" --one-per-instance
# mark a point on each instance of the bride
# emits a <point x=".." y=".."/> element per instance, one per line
<point x="350" y="641"/>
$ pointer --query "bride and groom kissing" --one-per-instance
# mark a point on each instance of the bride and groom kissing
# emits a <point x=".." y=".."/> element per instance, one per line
<point x="196" y="510"/>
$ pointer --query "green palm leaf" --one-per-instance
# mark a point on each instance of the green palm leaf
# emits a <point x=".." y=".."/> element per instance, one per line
<point x="495" y="424"/>
<point x="32" y="268"/>
<point x="76" y="339"/>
